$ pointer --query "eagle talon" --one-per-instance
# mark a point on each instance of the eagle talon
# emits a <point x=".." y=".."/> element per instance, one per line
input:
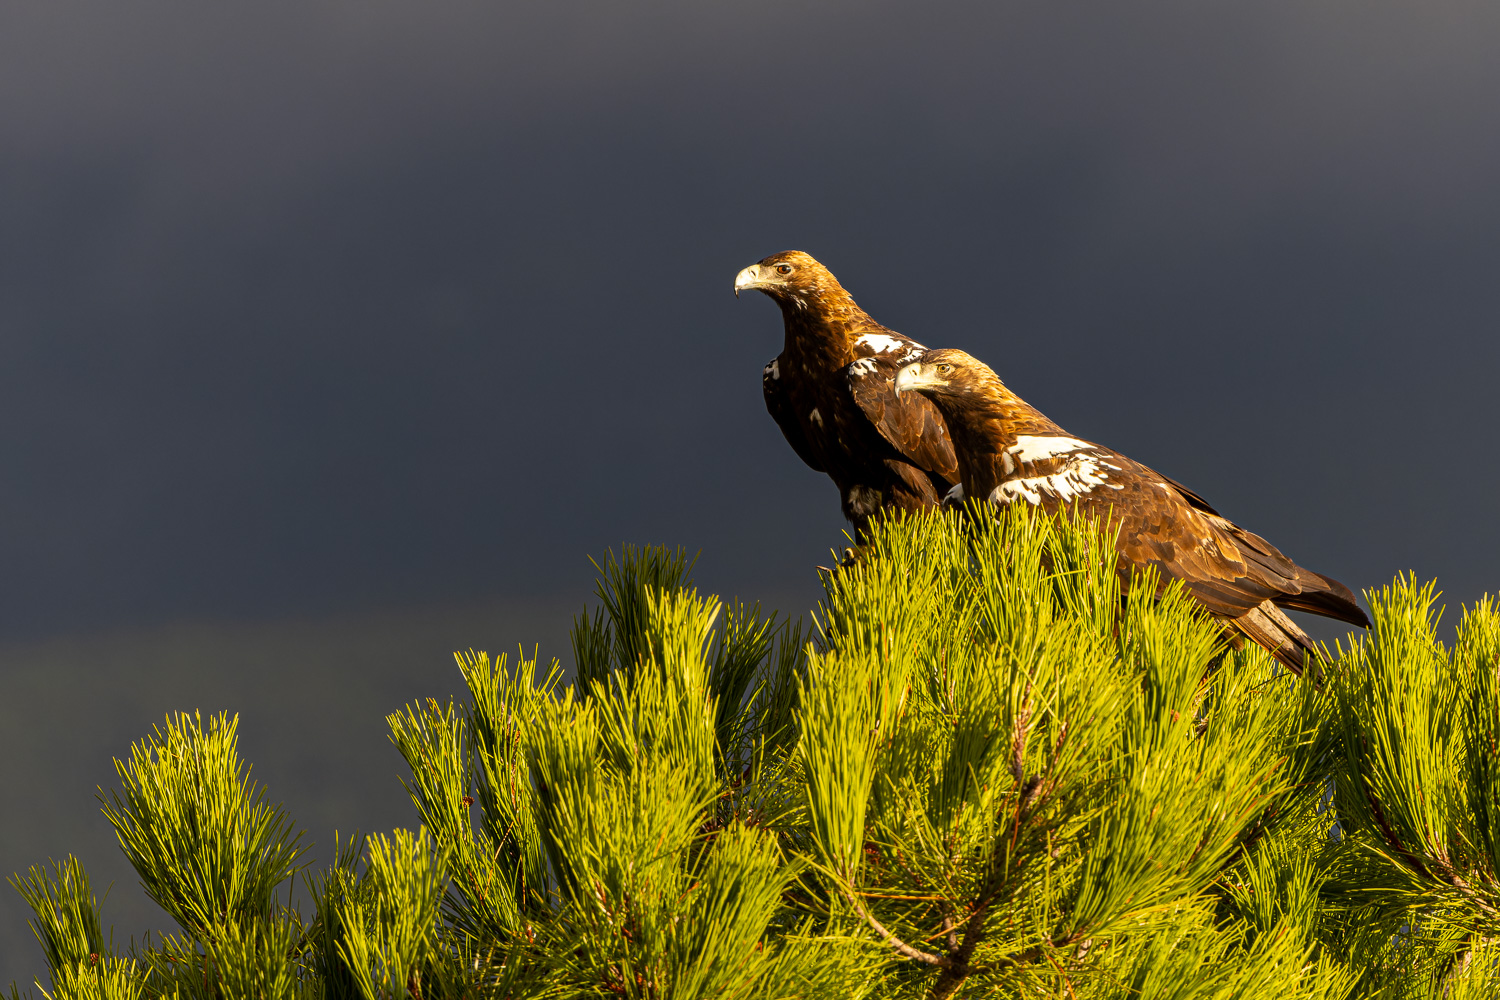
<point x="853" y="556"/>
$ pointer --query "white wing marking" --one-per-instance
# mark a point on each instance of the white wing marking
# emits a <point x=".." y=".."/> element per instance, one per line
<point x="1032" y="448"/>
<point x="1081" y="475"/>
<point x="880" y="343"/>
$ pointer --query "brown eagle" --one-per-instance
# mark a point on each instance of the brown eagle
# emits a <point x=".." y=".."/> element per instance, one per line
<point x="1008" y="452"/>
<point x="830" y="391"/>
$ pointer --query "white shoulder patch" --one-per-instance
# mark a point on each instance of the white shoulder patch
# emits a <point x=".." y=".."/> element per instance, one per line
<point x="773" y="369"/>
<point x="1033" y="448"/>
<point x="880" y="343"/>
<point x="864" y="366"/>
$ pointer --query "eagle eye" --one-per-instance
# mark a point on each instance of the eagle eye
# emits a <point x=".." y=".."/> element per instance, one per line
<point x="783" y="269"/>
<point x="945" y="369"/>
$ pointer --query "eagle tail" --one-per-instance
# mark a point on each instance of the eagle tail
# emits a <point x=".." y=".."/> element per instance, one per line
<point x="1269" y="627"/>
<point x="1331" y="600"/>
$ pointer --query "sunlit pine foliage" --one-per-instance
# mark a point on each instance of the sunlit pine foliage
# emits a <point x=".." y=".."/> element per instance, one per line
<point x="983" y="771"/>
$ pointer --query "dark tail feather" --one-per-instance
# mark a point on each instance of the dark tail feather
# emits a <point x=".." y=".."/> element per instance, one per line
<point x="1270" y="628"/>
<point x="1334" y="600"/>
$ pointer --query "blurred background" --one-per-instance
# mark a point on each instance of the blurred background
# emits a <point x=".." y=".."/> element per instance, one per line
<point x="336" y="336"/>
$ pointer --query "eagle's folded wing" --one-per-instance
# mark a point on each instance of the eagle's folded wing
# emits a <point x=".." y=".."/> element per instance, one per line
<point x="911" y="424"/>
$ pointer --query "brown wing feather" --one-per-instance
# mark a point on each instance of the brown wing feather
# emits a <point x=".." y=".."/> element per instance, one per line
<point x="1230" y="570"/>
<point x="1158" y="526"/>
<point x="1301" y="588"/>
<point x="1189" y="495"/>
<point x="911" y="423"/>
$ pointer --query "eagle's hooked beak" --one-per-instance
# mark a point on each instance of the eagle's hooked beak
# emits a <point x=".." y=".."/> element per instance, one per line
<point x="913" y="378"/>
<point x="748" y="278"/>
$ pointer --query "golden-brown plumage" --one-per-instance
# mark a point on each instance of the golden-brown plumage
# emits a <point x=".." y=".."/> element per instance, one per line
<point x="830" y="391"/>
<point x="1009" y="452"/>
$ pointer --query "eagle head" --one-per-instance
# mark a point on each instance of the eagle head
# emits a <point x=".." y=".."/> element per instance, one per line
<point x="791" y="278"/>
<point x="943" y="373"/>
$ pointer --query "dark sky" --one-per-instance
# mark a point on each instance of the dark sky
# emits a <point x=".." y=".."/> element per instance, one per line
<point x="316" y="308"/>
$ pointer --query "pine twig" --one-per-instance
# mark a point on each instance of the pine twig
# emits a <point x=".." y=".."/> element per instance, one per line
<point x="897" y="945"/>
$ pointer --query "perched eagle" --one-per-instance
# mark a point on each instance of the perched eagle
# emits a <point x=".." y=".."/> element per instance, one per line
<point x="830" y="391"/>
<point x="1008" y="452"/>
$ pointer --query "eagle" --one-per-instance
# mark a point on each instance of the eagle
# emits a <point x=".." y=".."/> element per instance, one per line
<point x="1008" y="452"/>
<point x="830" y="390"/>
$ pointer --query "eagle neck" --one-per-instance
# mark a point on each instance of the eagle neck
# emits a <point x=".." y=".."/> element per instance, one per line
<point x="984" y="424"/>
<point x="822" y="333"/>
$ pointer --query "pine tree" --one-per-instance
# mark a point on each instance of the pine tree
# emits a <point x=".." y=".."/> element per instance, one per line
<point x="981" y="771"/>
